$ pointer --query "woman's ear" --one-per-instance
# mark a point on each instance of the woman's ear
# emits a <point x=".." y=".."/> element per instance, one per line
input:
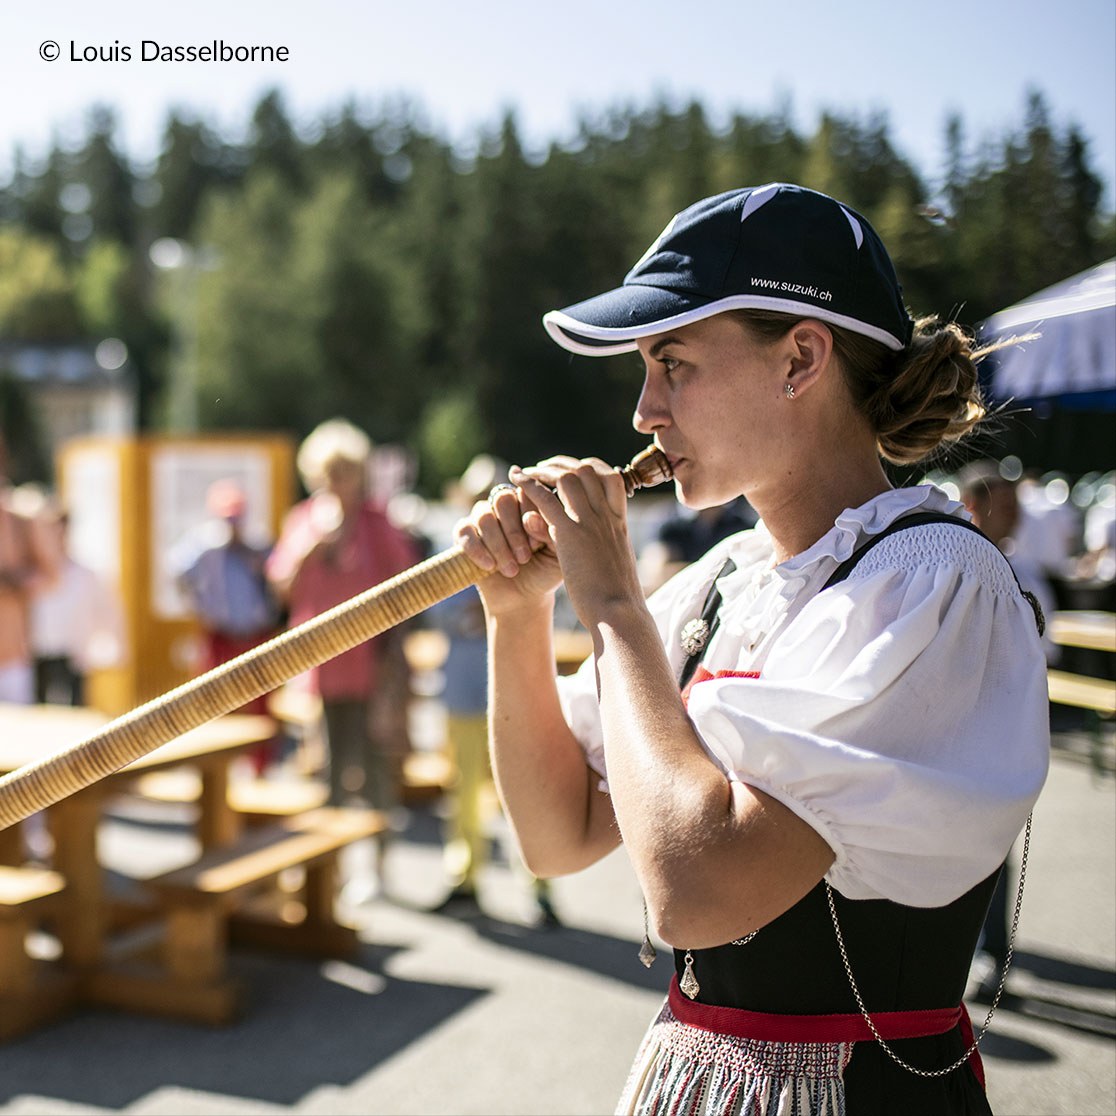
<point x="810" y="349"/>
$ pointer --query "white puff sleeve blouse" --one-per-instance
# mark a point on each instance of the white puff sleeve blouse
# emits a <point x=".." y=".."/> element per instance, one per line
<point x="902" y="713"/>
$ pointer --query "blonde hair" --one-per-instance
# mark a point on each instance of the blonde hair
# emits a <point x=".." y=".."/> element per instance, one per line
<point x="333" y="440"/>
<point x="916" y="400"/>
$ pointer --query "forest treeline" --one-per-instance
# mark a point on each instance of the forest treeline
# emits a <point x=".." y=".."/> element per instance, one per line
<point x="364" y="266"/>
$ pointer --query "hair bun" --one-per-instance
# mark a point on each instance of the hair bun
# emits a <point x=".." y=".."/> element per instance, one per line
<point x="932" y="397"/>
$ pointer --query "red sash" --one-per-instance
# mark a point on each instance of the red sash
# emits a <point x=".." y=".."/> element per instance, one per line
<point x="768" y="1027"/>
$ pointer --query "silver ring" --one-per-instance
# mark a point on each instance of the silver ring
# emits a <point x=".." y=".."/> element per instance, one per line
<point x="497" y="489"/>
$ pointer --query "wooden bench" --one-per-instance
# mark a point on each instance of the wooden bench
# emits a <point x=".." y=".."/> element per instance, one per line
<point x="1096" y="632"/>
<point x="1082" y="691"/>
<point x="231" y="895"/>
<point x="262" y="800"/>
<point x="31" y="991"/>
<point x="427" y="775"/>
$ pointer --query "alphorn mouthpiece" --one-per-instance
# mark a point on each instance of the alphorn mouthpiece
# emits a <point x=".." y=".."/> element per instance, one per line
<point x="648" y="468"/>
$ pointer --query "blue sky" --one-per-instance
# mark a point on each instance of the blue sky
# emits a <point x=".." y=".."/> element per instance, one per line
<point x="464" y="63"/>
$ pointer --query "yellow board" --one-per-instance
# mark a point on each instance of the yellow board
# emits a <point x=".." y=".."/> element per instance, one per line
<point x="131" y="501"/>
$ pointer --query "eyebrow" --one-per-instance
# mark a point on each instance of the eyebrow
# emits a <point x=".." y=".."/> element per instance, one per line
<point x="658" y="347"/>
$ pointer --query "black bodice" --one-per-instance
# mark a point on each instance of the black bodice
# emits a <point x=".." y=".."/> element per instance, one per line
<point x="903" y="959"/>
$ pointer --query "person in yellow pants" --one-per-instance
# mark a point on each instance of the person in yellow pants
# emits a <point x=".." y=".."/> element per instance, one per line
<point x="466" y="836"/>
<point x="472" y="801"/>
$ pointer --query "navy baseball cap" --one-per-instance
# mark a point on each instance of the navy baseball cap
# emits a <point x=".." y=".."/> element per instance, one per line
<point x="775" y="247"/>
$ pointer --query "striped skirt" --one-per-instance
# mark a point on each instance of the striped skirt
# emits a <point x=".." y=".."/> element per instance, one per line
<point x="683" y="1070"/>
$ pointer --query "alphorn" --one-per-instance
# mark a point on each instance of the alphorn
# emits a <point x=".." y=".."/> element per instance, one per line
<point x="38" y="785"/>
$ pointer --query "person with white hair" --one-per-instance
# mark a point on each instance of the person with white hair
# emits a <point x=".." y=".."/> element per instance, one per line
<point x="465" y="698"/>
<point x="333" y="545"/>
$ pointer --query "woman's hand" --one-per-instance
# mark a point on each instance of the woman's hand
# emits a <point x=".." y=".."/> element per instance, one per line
<point x="583" y="505"/>
<point x="505" y="533"/>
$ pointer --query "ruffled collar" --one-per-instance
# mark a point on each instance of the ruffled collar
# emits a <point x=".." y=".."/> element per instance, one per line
<point x="855" y="525"/>
<point x="761" y="588"/>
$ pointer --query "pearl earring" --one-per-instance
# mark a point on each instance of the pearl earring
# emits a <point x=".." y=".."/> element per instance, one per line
<point x="788" y="390"/>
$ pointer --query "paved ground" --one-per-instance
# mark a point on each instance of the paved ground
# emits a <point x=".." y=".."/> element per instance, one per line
<point x="486" y="1014"/>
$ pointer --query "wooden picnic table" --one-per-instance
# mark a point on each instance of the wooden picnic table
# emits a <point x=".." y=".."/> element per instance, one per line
<point x="81" y="918"/>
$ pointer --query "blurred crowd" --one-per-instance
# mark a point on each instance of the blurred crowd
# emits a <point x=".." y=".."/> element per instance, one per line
<point x="59" y="619"/>
<point x="1049" y="526"/>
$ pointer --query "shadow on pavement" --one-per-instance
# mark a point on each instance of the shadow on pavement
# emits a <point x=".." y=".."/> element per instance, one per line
<point x="1011" y="1049"/>
<point x="308" y="1025"/>
<point x="615" y="958"/>
<point x="1066" y="972"/>
<point x="1053" y="990"/>
<point x="1063" y="1012"/>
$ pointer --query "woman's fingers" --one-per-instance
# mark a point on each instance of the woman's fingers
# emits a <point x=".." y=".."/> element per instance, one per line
<point x="597" y="482"/>
<point x="503" y="531"/>
<point x="566" y="485"/>
<point x="494" y="536"/>
<point x="545" y="472"/>
<point x="537" y="528"/>
<point x="505" y="504"/>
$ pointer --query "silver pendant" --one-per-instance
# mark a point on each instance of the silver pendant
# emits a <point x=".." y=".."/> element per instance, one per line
<point x="689" y="982"/>
<point x="647" y="953"/>
<point x="694" y="635"/>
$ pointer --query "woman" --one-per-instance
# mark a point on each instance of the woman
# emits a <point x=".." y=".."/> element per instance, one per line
<point x="868" y="735"/>
<point x="334" y="545"/>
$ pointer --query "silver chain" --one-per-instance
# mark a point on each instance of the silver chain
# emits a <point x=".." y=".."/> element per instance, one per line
<point x="647" y="933"/>
<point x="995" y="1000"/>
<point x="856" y="989"/>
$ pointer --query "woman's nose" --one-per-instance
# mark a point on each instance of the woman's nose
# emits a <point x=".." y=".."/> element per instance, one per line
<point x="650" y="413"/>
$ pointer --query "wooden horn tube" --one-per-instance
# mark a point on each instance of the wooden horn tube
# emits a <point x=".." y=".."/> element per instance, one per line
<point x="259" y="671"/>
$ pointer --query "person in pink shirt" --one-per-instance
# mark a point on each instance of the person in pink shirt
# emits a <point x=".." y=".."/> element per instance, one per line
<point x="332" y="546"/>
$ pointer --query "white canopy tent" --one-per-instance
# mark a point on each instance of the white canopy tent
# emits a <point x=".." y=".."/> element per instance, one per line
<point x="1075" y="358"/>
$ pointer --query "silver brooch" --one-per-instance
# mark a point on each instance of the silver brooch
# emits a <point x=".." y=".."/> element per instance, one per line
<point x="694" y="636"/>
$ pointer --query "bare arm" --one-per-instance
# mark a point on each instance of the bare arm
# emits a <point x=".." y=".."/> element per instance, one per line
<point x="38" y="561"/>
<point x="561" y="820"/>
<point x="716" y="859"/>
